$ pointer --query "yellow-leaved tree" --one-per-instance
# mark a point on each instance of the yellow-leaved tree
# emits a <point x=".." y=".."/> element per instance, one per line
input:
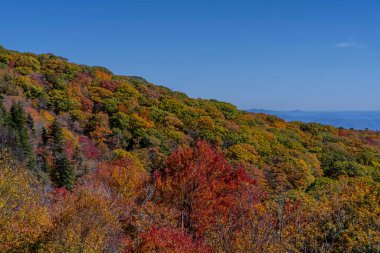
<point x="23" y="216"/>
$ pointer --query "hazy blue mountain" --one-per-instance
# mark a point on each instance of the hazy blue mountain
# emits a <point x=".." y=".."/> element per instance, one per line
<point x="347" y="119"/>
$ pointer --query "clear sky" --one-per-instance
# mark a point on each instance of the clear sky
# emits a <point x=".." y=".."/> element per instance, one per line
<point x="272" y="54"/>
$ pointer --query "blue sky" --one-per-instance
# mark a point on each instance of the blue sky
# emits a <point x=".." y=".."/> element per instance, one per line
<point x="272" y="54"/>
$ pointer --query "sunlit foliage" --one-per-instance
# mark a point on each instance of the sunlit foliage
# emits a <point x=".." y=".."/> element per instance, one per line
<point x="95" y="162"/>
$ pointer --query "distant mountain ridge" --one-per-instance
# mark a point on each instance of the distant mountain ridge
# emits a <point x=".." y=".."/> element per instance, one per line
<point x="347" y="119"/>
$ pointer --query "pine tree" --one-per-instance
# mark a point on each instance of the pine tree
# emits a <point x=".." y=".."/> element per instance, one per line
<point x="18" y="122"/>
<point x="44" y="136"/>
<point x="44" y="154"/>
<point x="45" y="163"/>
<point x="30" y="123"/>
<point x="64" y="171"/>
<point x="3" y="112"/>
<point x="57" y="136"/>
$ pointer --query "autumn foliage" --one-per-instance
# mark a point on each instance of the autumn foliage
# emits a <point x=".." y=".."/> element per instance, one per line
<point x="210" y="195"/>
<point x="95" y="162"/>
<point x="169" y="240"/>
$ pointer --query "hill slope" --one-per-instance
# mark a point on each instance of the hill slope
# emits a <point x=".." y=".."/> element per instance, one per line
<point x="128" y="152"/>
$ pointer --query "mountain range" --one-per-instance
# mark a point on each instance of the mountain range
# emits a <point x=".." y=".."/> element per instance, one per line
<point x="346" y="119"/>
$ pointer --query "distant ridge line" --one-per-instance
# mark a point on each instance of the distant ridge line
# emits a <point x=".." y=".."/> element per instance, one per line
<point x="359" y="120"/>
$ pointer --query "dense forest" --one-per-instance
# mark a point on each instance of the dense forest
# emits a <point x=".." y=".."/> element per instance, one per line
<point x="95" y="162"/>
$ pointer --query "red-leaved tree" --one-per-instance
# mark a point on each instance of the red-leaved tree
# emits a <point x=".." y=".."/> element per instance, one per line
<point x="169" y="240"/>
<point x="210" y="195"/>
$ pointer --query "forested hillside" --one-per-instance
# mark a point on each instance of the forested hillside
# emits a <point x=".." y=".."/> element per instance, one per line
<point x="95" y="162"/>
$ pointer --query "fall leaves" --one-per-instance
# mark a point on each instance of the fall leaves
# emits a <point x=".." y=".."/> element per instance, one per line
<point x="23" y="215"/>
<point x="204" y="188"/>
<point x="198" y="203"/>
<point x="95" y="162"/>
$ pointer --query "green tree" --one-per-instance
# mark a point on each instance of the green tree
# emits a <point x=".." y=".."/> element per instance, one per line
<point x="44" y="136"/>
<point x="18" y="122"/>
<point x="30" y="123"/>
<point x="63" y="175"/>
